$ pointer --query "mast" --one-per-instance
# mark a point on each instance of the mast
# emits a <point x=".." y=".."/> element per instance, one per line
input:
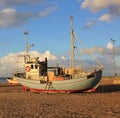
<point x="72" y="62"/>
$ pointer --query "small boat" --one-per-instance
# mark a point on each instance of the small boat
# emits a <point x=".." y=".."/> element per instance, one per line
<point x="40" y="77"/>
<point x="12" y="81"/>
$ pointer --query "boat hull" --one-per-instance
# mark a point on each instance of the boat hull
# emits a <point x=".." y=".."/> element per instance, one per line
<point x="80" y="84"/>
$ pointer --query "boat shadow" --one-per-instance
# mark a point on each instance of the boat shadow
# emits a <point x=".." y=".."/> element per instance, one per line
<point x="108" y="88"/>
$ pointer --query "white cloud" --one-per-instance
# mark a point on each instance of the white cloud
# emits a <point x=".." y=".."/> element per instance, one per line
<point x="42" y="56"/>
<point x="97" y="5"/>
<point x="105" y="57"/>
<point x="106" y="18"/>
<point x="9" y="63"/>
<point x="92" y="50"/>
<point x="13" y="18"/>
<point x="14" y="61"/>
<point x="64" y="58"/>
<point x="17" y="19"/>
<point x="112" y="8"/>
<point x="47" y="11"/>
<point x="94" y="5"/>
<point x="109" y="45"/>
<point x="50" y="56"/>
<point x="89" y="25"/>
<point x="9" y="3"/>
<point x="101" y="50"/>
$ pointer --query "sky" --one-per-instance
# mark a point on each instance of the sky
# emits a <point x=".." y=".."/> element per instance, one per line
<point x="95" y="22"/>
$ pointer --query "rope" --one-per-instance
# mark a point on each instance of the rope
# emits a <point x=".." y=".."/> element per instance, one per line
<point x="78" y="54"/>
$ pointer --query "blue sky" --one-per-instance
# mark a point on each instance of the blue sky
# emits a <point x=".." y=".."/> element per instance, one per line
<point x="48" y="24"/>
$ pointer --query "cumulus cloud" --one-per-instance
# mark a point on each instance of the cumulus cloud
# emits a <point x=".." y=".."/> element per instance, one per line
<point x="41" y="56"/>
<point x="94" y="5"/>
<point x="97" y="5"/>
<point x="92" y="50"/>
<point x="112" y="8"/>
<point x="89" y="25"/>
<point x="9" y="63"/>
<point x="105" y="56"/>
<point x="64" y="58"/>
<point x="109" y="45"/>
<point x="13" y="18"/>
<point x="17" y="19"/>
<point x="106" y="18"/>
<point x="13" y="61"/>
<point x="108" y="50"/>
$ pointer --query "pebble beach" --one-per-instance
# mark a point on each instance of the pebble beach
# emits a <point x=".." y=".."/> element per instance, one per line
<point x="16" y="103"/>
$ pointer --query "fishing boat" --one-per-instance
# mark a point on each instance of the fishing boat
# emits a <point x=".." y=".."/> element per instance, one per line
<point x="40" y="77"/>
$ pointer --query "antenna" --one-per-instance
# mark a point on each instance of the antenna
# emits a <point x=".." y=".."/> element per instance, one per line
<point x="26" y="34"/>
<point x="27" y="46"/>
<point x="114" y="65"/>
<point x="113" y="40"/>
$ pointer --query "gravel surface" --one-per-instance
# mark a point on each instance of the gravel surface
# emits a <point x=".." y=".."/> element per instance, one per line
<point x="16" y="103"/>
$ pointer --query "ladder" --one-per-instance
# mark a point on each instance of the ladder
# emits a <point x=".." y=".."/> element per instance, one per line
<point x="48" y="86"/>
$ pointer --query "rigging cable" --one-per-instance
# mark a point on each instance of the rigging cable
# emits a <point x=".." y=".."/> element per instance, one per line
<point x="78" y="54"/>
<point x="86" y="48"/>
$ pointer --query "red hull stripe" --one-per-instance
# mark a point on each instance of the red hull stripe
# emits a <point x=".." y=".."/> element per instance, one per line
<point x="62" y="91"/>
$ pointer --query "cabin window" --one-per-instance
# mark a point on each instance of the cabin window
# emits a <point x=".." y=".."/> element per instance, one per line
<point x="36" y="66"/>
<point x="32" y="66"/>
